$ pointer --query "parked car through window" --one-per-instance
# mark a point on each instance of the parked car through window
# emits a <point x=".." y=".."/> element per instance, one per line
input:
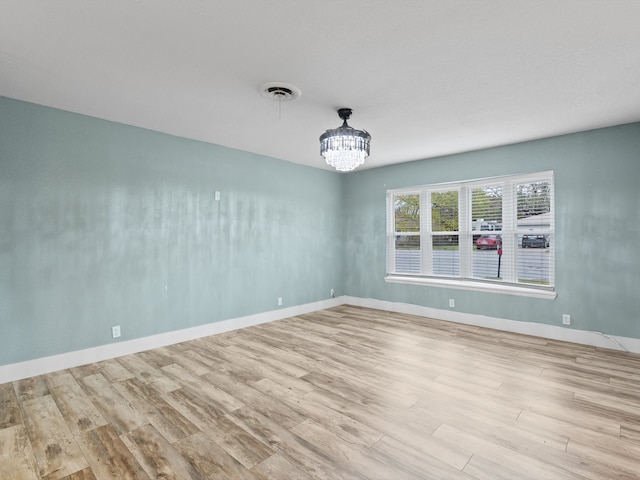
<point x="535" y="241"/>
<point x="489" y="242"/>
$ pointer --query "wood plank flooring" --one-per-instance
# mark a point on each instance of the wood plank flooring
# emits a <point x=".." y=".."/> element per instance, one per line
<point x="345" y="393"/>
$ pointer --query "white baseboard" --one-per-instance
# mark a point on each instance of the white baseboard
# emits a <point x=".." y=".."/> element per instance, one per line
<point x="39" y="366"/>
<point x="584" y="337"/>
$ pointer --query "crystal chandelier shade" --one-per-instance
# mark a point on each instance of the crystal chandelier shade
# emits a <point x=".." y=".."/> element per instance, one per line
<point x="345" y="148"/>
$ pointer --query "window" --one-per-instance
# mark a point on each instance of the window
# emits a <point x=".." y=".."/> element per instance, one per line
<point x="495" y="234"/>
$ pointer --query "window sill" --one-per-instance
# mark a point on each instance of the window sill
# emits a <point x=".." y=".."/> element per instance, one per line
<point x="477" y="286"/>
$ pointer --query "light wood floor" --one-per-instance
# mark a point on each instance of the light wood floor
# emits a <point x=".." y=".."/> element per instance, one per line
<point x="346" y="393"/>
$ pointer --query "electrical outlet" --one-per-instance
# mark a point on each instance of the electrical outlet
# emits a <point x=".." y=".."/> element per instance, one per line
<point x="280" y="301"/>
<point x="217" y="195"/>
<point x="115" y="331"/>
<point x="333" y="293"/>
<point x="452" y="303"/>
<point x="566" y="319"/>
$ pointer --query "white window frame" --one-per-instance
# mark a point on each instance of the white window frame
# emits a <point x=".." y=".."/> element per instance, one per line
<point x="510" y="232"/>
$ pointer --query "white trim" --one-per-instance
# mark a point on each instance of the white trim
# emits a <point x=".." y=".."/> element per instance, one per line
<point x="511" y="260"/>
<point x="583" y="337"/>
<point x="39" y="366"/>
<point x="491" y="287"/>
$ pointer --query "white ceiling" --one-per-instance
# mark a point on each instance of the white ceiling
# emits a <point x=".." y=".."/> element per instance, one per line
<point x="424" y="77"/>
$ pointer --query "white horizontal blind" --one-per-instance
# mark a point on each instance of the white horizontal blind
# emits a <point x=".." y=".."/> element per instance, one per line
<point x="491" y="230"/>
<point x="535" y="231"/>
<point x="487" y="202"/>
<point x="406" y="241"/>
<point x="445" y="232"/>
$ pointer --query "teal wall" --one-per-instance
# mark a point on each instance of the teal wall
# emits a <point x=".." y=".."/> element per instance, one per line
<point x="597" y="201"/>
<point x="104" y="224"/>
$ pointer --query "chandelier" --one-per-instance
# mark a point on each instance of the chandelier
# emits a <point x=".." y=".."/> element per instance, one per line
<point x="345" y="148"/>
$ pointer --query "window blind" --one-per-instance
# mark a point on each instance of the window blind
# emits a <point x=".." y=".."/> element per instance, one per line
<point x="491" y="230"/>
